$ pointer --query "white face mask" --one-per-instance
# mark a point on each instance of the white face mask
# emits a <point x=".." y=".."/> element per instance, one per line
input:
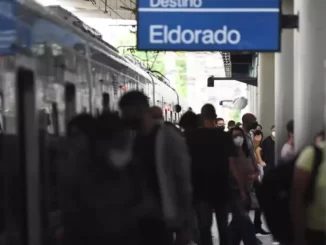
<point x="273" y="134"/>
<point x="238" y="141"/>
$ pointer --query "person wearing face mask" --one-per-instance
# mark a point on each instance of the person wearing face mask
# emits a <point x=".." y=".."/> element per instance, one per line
<point x="220" y="123"/>
<point x="241" y="226"/>
<point x="164" y="163"/>
<point x="250" y="123"/>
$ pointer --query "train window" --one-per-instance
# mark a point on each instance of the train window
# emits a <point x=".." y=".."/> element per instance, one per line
<point x="55" y="119"/>
<point x="115" y="89"/>
<point x="29" y="155"/>
<point x="70" y="101"/>
<point x="105" y="101"/>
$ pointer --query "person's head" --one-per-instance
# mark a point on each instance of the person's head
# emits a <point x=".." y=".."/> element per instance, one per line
<point x="231" y="124"/>
<point x="81" y="125"/>
<point x="258" y="136"/>
<point x="188" y="121"/>
<point x="134" y="109"/>
<point x="249" y="122"/>
<point x="259" y="127"/>
<point x="238" y="124"/>
<point x="208" y="115"/>
<point x="320" y="137"/>
<point x="290" y="129"/>
<point x="220" y="123"/>
<point x="273" y="131"/>
<point x="239" y="139"/>
<point x="156" y="114"/>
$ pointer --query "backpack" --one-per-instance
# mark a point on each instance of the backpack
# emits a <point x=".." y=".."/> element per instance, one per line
<point x="275" y="196"/>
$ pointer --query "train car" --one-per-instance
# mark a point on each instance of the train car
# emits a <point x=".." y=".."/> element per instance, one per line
<point x="52" y="66"/>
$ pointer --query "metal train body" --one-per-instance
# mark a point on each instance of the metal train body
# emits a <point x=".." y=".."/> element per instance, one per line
<point x="52" y="66"/>
<point x="74" y="70"/>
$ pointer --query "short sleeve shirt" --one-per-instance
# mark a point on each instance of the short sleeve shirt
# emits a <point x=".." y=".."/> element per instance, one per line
<point x="316" y="212"/>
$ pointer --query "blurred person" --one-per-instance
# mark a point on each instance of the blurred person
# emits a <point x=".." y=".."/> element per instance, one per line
<point x="250" y="123"/>
<point x="287" y="151"/>
<point x="231" y="124"/>
<point x="157" y="114"/>
<point x="308" y="216"/>
<point x="259" y="127"/>
<point x="188" y="121"/>
<point x="241" y="226"/>
<point x="238" y="124"/>
<point x="268" y="150"/>
<point x="258" y="138"/>
<point x="212" y="150"/>
<point x="162" y="158"/>
<point x="320" y="137"/>
<point x="220" y="123"/>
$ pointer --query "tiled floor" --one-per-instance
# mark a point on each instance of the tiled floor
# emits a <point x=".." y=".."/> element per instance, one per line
<point x="267" y="240"/>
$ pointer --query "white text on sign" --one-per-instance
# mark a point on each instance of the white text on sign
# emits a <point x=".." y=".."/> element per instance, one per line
<point x="162" y="34"/>
<point x="175" y="3"/>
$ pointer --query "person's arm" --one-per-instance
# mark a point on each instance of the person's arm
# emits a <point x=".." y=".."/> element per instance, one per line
<point x="256" y="172"/>
<point x="259" y="157"/>
<point x="301" y="180"/>
<point x="178" y="149"/>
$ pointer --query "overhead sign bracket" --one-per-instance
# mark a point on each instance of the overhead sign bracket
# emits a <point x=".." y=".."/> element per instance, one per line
<point x="289" y="21"/>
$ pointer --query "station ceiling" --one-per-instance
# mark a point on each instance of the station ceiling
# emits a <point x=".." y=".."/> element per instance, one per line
<point x="111" y="9"/>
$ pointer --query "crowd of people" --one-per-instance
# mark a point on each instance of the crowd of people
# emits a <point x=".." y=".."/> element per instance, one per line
<point x="135" y="179"/>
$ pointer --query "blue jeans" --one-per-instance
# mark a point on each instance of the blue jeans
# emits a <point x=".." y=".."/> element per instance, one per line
<point x="241" y="226"/>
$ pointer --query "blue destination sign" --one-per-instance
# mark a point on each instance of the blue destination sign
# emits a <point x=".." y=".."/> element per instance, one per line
<point x="208" y="25"/>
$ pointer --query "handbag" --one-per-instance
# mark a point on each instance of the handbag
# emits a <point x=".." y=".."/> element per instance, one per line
<point x="254" y="204"/>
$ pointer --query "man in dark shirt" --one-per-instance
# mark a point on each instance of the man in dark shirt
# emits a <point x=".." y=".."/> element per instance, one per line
<point x="161" y="157"/>
<point x="268" y="150"/>
<point x="211" y="150"/>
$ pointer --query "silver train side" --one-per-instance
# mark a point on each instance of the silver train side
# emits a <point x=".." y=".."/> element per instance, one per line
<point x="53" y="66"/>
<point x="67" y="67"/>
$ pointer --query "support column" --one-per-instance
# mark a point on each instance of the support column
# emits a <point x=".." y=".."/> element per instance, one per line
<point x="309" y="84"/>
<point x="284" y="83"/>
<point x="266" y="91"/>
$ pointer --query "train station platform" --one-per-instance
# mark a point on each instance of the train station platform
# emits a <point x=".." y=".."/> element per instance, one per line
<point x="266" y="239"/>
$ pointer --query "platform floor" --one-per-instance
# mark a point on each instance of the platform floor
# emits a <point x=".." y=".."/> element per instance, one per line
<point x="266" y="240"/>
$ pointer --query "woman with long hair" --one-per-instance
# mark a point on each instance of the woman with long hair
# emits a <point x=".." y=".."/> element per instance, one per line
<point x="241" y="226"/>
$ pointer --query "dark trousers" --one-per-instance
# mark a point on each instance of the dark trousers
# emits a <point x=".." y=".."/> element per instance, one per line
<point x="257" y="219"/>
<point x="241" y="226"/>
<point x="155" y="231"/>
<point x="204" y="211"/>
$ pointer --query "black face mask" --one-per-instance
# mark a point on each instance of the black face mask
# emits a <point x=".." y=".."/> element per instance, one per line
<point x="258" y="132"/>
<point x="221" y="127"/>
<point x="254" y="125"/>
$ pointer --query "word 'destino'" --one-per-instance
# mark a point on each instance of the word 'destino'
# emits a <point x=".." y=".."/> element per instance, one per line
<point x="163" y="34"/>
<point x="175" y="3"/>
